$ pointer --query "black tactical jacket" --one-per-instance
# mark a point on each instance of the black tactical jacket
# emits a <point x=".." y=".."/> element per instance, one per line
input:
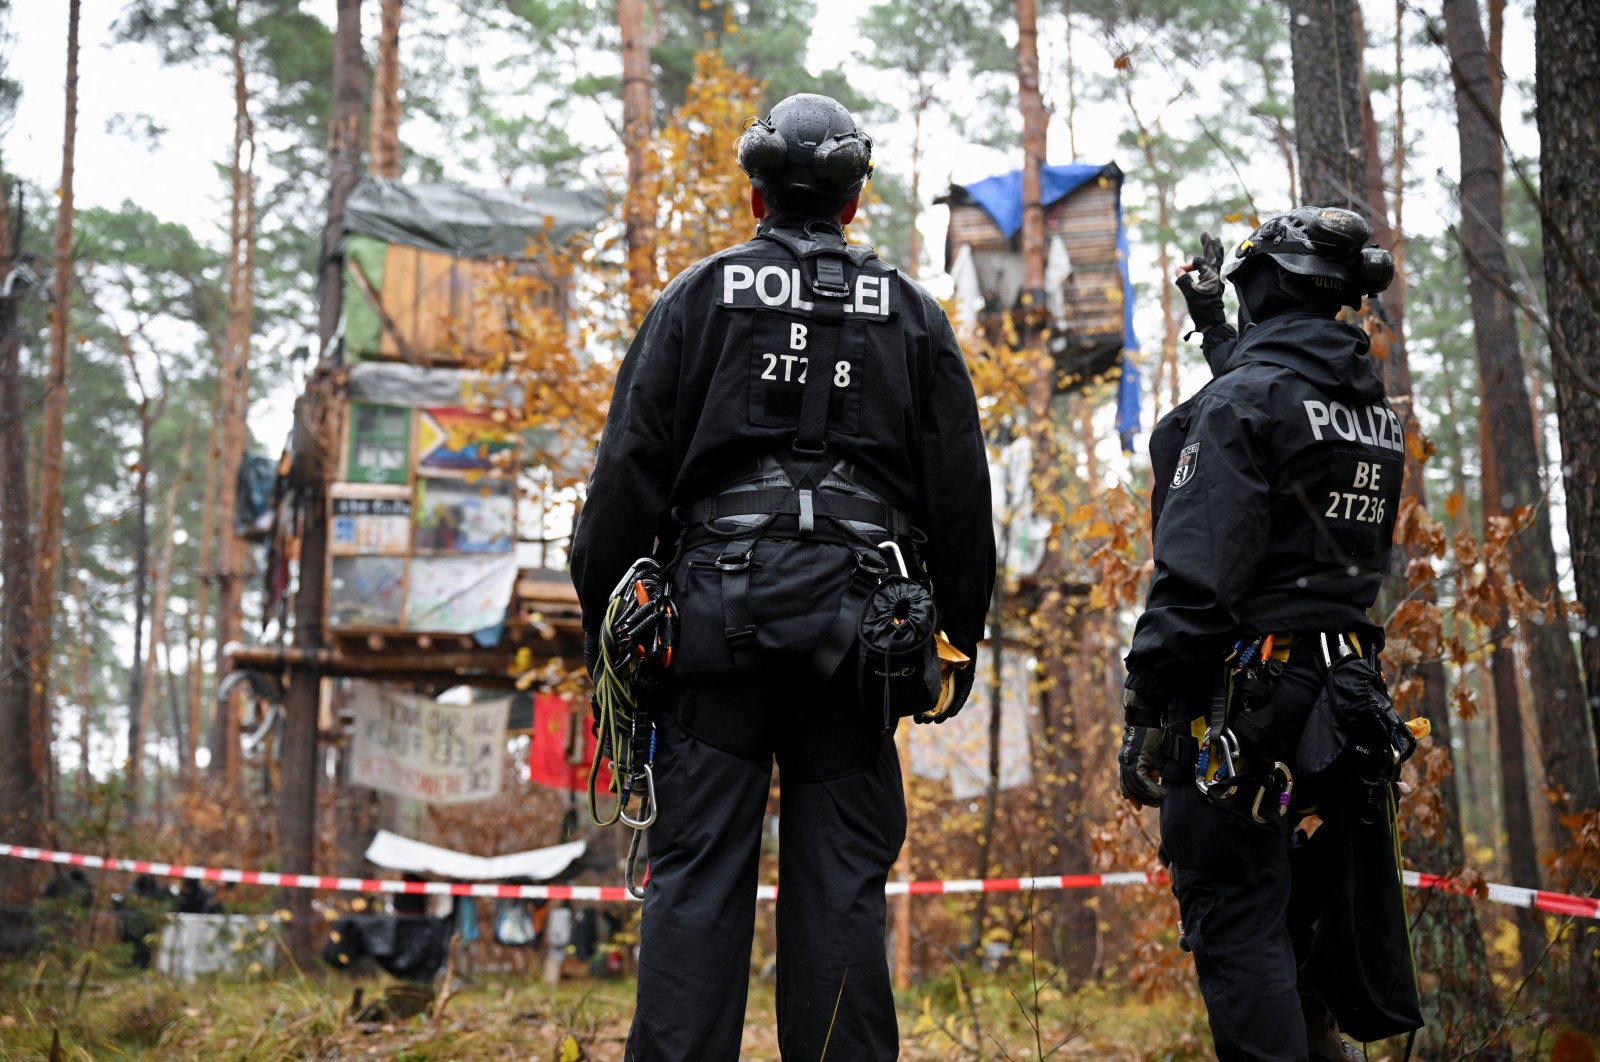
<point x="1275" y="497"/>
<point x="712" y="379"/>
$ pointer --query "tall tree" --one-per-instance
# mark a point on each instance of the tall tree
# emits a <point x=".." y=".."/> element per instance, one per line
<point x="1511" y="474"/>
<point x="22" y="793"/>
<point x="1510" y="479"/>
<point x="1568" y="93"/>
<point x="48" y="534"/>
<point x="1327" y="105"/>
<point x="1567" y="90"/>
<point x="297" y="806"/>
<point x="639" y="203"/>
<point x="385" y="149"/>
<point x="233" y="401"/>
<point x="1446" y="932"/>
<point x="1034" y="128"/>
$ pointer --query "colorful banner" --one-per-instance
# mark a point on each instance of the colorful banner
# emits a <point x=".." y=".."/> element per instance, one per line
<point x="460" y="595"/>
<point x="563" y="747"/>
<point x="459" y="440"/>
<point x="458" y="516"/>
<point x="417" y="748"/>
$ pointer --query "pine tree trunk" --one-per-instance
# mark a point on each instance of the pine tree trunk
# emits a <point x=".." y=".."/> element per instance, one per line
<point x="234" y="385"/>
<point x="1567" y="90"/>
<point x="385" y="148"/>
<point x="141" y="584"/>
<point x="1327" y="105"/>
<point x="297" y="801"/>
<point x="1511" y="477"/>
<point x="158" y="601"/>
<point x="638" y="84"/>
<point x="1034" y="130"/>
<point x="202" y="595"/>
<point x="22" y="802"/>
<point x="48" y="532"/>
<point x="1446" y="933"/>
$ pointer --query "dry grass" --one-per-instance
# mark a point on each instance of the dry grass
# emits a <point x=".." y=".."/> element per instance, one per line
<point x="105" y="1012"/>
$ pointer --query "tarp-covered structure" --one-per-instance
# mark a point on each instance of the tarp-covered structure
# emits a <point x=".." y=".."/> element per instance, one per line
<point x="417" y="255"/>
<point x="423" y="535"/>
<point x="1088" y="291"/>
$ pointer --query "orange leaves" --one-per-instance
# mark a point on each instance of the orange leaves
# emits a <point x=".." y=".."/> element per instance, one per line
<point x="1417" y="531"/>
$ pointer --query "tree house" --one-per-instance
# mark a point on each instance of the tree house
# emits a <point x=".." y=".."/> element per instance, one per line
<point x="1089" y="298"/>
<point x="431" y="576"/>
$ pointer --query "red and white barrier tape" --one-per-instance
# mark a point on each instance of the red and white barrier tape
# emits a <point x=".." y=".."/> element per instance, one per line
<point x="1538" y="899"/>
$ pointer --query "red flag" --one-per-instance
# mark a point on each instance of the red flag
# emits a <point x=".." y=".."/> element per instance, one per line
<point x="562" y="747"/>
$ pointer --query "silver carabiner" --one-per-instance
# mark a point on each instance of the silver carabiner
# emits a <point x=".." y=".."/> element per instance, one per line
<point x="647" y="803"/>
<point x="891" y="546"/>
<point x="1228" y="746"/>
<point x="1283" y="796"/>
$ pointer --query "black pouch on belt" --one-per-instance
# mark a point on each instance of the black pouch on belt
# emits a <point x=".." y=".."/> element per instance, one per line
<point x="898" y="663"/>
<point x="1353" y="733"/>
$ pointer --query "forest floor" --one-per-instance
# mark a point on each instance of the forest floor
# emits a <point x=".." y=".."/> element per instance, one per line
<point x="100" y="1012"/>
<point x="93" y="1007"/>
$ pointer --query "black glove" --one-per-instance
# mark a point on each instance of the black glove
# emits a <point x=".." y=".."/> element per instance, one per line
<point x="960" y="689"/>
<point x="1202" y="285"/>
<point x="1139" y="758"/>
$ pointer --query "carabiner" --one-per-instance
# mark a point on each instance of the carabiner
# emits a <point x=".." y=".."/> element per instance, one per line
<point x="1228" y="746"/>
<point x="647" y="805"/>
<point x="891" y="546"/>
<point x="1283" y="795"/>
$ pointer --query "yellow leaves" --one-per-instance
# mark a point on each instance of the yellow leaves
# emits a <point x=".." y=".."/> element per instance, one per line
<point x="1419" y="446"/>
<point x="570" y="1051"/>
<point x="1234" y="218"/>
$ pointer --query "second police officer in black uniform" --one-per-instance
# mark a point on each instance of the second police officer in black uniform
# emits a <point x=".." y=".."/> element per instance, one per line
<point x="1273" y="507"/>
<point x="787" y="405"/>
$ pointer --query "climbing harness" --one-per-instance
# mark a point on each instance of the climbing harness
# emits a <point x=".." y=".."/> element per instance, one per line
<point x="1224" y="766"/>
<point x="635" y="650"/>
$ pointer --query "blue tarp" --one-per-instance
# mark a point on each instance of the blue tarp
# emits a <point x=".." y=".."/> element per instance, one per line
<point x="1001" y="198"/>
<point x="1128" y="404"/>
<point x="1001" y="195"/>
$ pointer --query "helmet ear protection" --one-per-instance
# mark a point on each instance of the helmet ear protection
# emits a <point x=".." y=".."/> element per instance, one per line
<point x="1376" y="270"/>
<point x="840" y="163"/>
<point x="843" y="161"/>
<point x="762" y="150"/>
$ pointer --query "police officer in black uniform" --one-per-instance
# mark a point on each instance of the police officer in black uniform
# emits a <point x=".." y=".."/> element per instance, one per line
<point x="788" y="405"/>
<point x="1274" y="502"/>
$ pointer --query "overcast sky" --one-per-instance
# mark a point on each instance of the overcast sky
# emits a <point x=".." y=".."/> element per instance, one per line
<point x="178" y="179"/>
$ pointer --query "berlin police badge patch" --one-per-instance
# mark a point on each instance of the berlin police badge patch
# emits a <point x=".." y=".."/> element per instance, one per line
<point x="1188" y="458"/>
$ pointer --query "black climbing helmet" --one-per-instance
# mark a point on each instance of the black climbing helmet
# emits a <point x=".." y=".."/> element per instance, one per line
<point x="808" y="144"/>
<point x="1326" y="244"/>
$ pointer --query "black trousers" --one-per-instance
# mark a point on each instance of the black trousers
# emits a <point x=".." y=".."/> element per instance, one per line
<point x="1233" y="883"/>
<point x="841" y="826"/>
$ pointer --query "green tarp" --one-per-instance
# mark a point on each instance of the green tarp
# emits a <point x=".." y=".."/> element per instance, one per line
<point x="469" y="222"/>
